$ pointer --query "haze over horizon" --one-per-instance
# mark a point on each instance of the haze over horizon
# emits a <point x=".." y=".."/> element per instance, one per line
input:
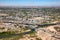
<point x="50" y="3"/>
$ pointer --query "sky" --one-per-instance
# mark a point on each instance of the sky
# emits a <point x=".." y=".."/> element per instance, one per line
<point x="29" y="2"/>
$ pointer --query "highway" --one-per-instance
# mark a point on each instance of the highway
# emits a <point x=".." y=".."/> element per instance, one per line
<point x="39" y="25"/>
<point x="33" y="24"/>
<point x="33" y="29"/>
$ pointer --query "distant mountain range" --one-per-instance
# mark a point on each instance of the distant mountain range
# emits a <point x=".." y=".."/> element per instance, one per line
<point x="29" y="7"/>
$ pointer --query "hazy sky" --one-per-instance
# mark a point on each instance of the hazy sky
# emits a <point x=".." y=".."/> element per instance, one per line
<point x="29" y="2"/>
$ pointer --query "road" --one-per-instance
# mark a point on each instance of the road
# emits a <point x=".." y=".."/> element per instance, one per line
<point x="33" y="29"/>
